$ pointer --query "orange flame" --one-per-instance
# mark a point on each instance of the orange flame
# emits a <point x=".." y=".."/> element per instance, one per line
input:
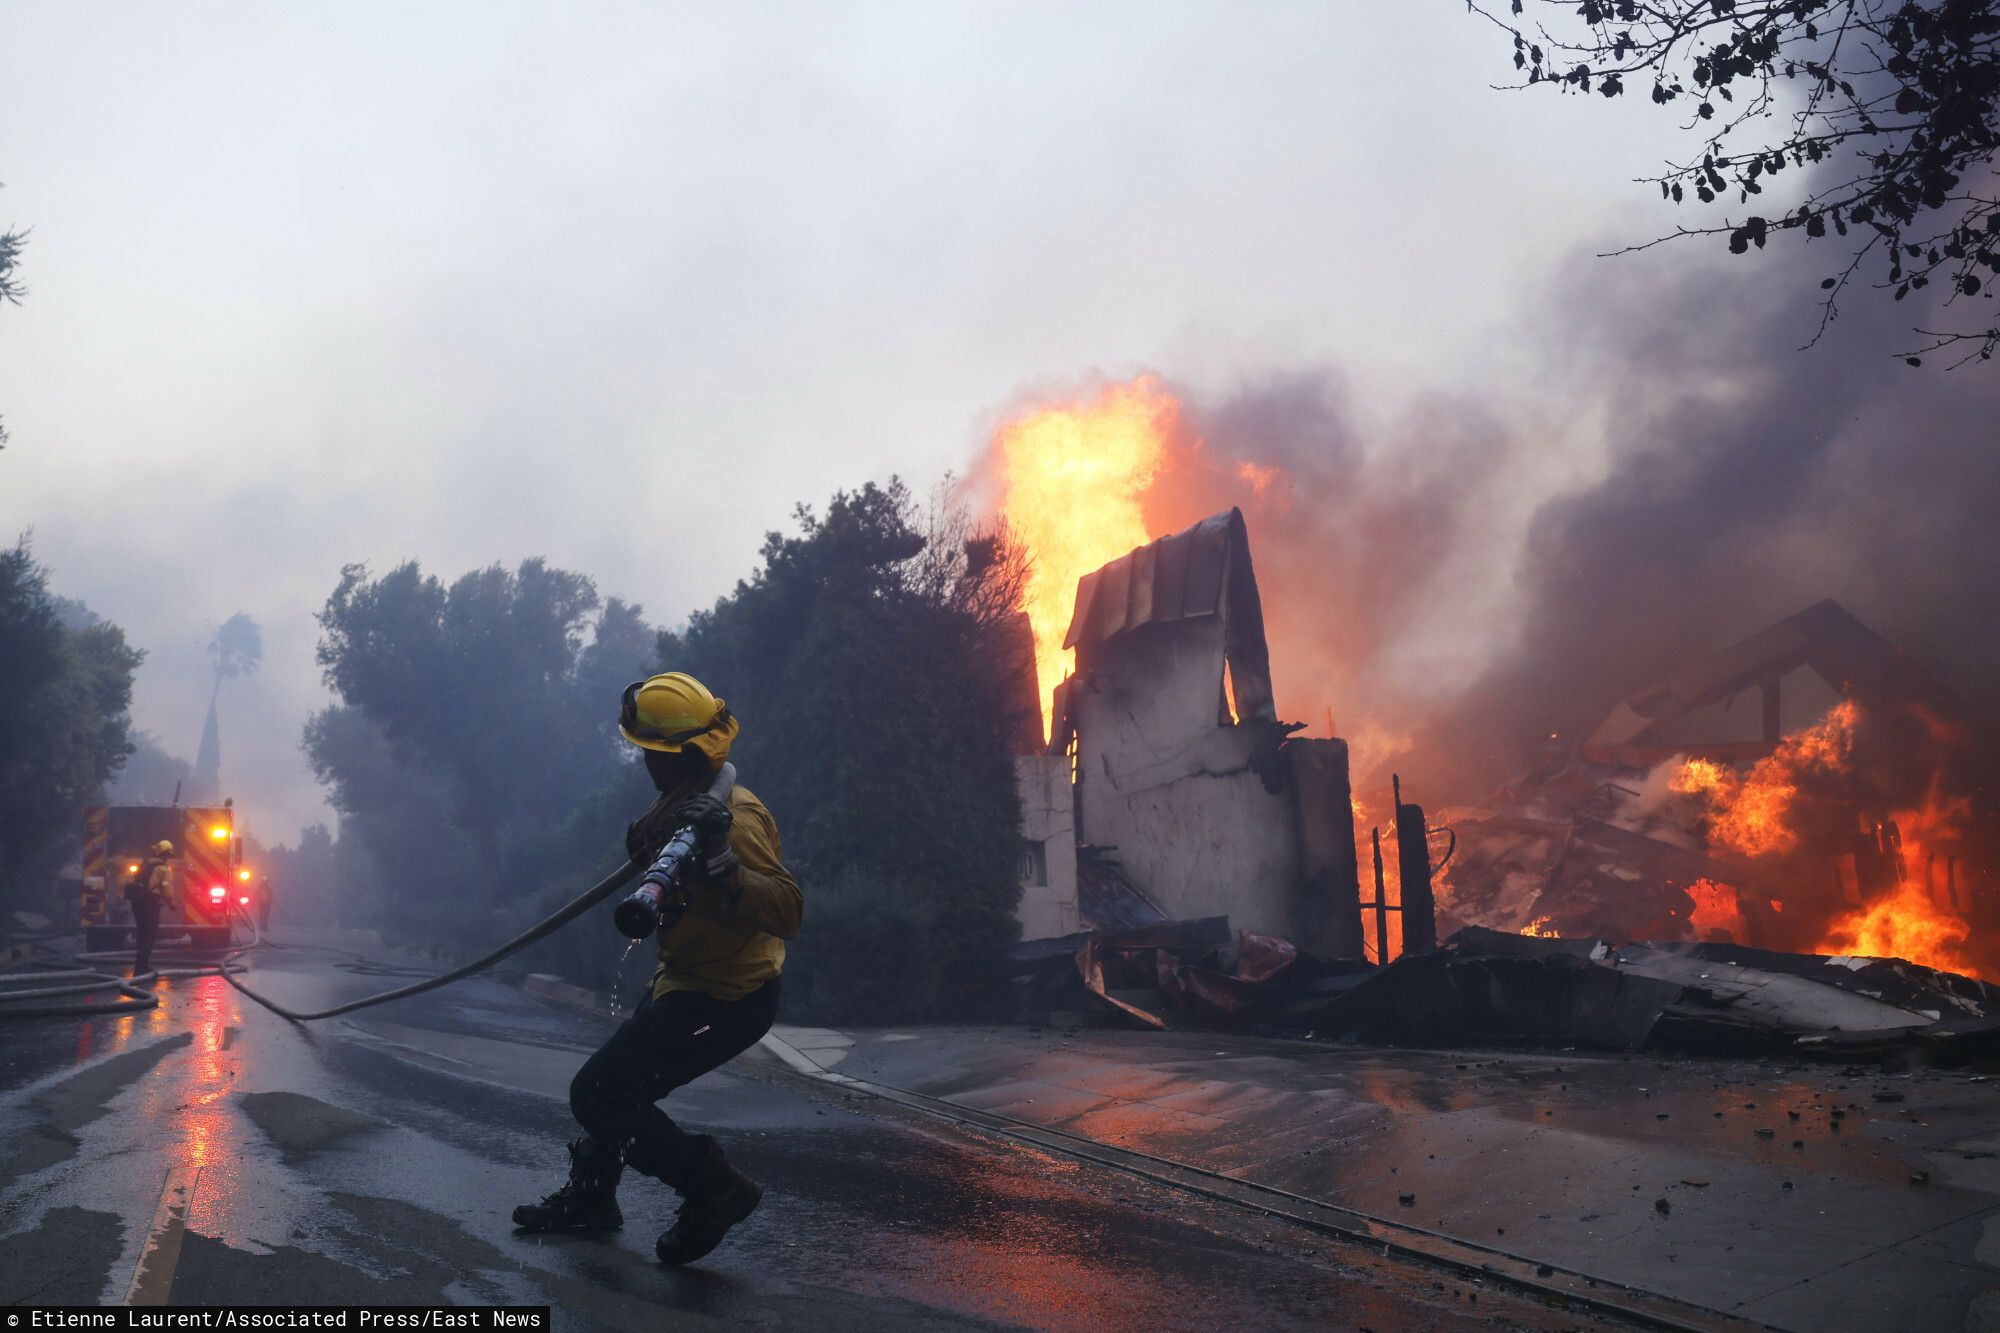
<point x="1262" y="478"/>
<point x="1072" y="478"/>
<point x="1716" y="912"/>
<point x="1750" y="814"/>
<point x="1754" y="815"/>
<point x="1909" y="923"/>
<point x="1904" y="924"/>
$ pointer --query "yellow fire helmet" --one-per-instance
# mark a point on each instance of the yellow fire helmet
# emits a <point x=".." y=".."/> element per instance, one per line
<point x="674" y="712"/>
<point x="163" y="848"/>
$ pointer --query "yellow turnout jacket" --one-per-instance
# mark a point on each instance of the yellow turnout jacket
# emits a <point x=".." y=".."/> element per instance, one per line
<point x="732" y="938"/>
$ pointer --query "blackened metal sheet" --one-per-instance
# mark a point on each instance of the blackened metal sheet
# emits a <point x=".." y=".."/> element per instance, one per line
<point x="1142" y="598"/>
<point x="1113" y="609"/>
<point x="1208" y="565"/>
<point x="1170" y="580"/>
<point x="1178" y="577"/>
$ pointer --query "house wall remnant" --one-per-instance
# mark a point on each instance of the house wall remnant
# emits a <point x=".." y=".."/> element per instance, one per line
<point x="1181" y="763"/>
<point x="1048" y="847"/>
<point x="1173" y="789"/>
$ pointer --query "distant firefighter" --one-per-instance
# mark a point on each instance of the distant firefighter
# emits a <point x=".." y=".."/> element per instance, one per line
<point x="713" y="996"/>
<point x="147" y="892"/>
<point x="261" y="900"/>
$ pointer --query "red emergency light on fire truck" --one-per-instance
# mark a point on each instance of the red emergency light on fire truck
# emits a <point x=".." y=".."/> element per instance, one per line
<point x="206" y="871"/>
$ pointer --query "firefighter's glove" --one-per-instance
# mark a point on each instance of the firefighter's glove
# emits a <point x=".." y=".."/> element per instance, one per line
<point x="709" y="817"/>
<point x="637" y="848"/>
<point x="722" y="864"/>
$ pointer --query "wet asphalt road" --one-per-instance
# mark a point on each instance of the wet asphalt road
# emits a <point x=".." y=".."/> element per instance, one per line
<point x="375" y="1159"/>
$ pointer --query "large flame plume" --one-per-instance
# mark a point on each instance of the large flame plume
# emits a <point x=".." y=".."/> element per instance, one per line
<point x="1364" y="588"/>
<point x="1072" y="477"/>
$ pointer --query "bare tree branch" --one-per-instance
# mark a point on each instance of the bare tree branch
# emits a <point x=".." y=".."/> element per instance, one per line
<point x="1895" y="115"/>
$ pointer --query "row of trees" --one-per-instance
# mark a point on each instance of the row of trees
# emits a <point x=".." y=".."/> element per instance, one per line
<point x="474" y="755"/>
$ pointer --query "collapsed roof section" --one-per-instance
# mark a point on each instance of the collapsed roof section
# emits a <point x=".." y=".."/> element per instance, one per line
<point x="1823" y="648"/>
<point x="1197" y="573"/>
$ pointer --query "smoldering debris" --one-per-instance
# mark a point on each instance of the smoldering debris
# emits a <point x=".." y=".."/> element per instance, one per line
<point x="1177" y="974"/>
<point x="1493" y="986"/>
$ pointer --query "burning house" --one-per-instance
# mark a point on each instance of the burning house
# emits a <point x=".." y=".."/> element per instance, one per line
<point x="1805" y="794"/>
<point x="1170" y="789"/>
<point x="1805" y="791"/>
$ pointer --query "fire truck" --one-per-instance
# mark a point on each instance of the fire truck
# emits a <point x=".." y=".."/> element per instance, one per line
<point x="209" y="885"/>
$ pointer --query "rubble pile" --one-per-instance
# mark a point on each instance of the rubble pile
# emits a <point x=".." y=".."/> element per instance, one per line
<point x="1485" y="985"/>
<point x="1807" y="789"/>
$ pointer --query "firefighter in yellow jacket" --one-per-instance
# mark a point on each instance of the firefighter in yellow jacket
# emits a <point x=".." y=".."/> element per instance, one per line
<point x="713" y="996"/>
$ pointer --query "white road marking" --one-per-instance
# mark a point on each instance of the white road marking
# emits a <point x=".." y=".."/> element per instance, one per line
<point x="799" y="1062"/>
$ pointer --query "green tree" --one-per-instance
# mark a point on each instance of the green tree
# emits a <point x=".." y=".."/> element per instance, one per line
<point x="1893" y="107"/>
<point x="866" y="659"/>
<point x="475" y="719"/>
<point x="65" y="692"/>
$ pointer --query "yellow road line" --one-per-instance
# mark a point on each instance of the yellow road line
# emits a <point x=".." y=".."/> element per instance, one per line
<point x="153" y="1276"/>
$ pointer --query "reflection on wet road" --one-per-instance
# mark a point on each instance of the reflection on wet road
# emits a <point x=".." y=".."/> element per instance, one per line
<point x="1802" y="1197"/>
<point x="378" y="1158"/>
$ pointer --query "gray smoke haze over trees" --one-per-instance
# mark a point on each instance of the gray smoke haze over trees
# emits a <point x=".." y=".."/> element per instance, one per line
<point x="475" y="718"/>
<point x="150" y="775"/>
<point x="235" y="648"/>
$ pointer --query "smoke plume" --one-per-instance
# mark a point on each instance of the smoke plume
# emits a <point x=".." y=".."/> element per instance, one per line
<point x="1458" y="584"/>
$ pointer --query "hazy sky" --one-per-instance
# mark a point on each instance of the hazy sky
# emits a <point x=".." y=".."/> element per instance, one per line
<point x="619" y="284"/>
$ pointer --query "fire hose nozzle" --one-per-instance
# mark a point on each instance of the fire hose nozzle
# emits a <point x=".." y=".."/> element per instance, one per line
<point x="663" y="888"/>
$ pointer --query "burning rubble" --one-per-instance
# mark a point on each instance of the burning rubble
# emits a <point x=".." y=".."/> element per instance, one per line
<point x="1848" y="825"/>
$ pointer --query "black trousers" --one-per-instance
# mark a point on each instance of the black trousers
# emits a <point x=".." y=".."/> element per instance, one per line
<point x="146" y="926"/>
<point x="671" y="1040"/>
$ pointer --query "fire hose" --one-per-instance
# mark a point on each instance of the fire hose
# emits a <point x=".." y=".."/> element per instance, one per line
<point x="662" y="892"/>
<point x="134" y="993"/>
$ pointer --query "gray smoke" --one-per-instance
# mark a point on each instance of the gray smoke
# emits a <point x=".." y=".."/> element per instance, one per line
<point x="1750" y="479"/>
<point x="1744" y="480"/>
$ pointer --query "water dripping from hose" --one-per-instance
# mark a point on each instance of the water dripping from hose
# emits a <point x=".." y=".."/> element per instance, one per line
<point x="618" y="979"/>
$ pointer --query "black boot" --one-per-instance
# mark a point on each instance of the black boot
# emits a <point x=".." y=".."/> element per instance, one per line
<point x="588" y="1202"/>
<point x="715" y="1197"/>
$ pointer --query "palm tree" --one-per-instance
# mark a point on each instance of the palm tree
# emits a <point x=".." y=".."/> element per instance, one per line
<point x="235" y="648"/>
